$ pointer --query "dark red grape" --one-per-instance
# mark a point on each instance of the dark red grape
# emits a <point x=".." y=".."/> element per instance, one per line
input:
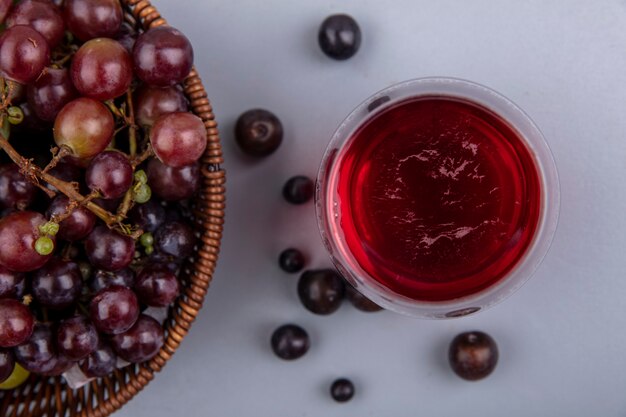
<point x="148" y="216"/>
<point x="50" y="92"/>
<point x="41" y="16"/>
<point x="7" y="363"/>
<point x="57" y="284"/>
<point x="77" y="338"/>
<point x="163" y="56"/>
<point x="5" y="7"/>
<point x="339" y="36"/>
<point x="298" y="189"/>
<point x="15" y="190"/>
<point x="173" y="184"/>
<point x="291" y="260"/>
<point x="24" y="53"/>
<point x="88" y="19"/>
<point x="258" y="132"/>
<point x="290" y="342"/>
<point x="176" y="239"/>
<point x="473" y="355"/>
<point x="11" y="283"/>
<point x="103" y="279"/>
<point x="360" y="302"/>
<point x="100" y="363"/>
<point x="141" y="342"/>
<point x="156" y="286"/>
<point x="101" y="69"/>
<point x="107" y="249"/>
<point x="152" y="102"/>
<point x="59" y="364"/>
<point x="79" y="223"/>
<point x="85" y="126"/>
<point x="114" y="309"/>
<point x="321" y="291"/>
<point x="16" y="323"/>
<point x="342" y="390"/>
<point x="18" y="233"/>
<point x="38" y="354"/>
<point x="126" y="36"/>
<point x="110" y="173"/>
<point x="178" y="139"/>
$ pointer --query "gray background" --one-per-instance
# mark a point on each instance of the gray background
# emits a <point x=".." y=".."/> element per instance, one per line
<point x="561" y="336"/>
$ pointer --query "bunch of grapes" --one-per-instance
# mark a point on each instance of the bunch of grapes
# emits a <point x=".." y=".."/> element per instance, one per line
<point x="99" y="160"/>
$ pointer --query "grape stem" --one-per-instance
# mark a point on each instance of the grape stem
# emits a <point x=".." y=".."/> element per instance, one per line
<point x="35" y="174"/>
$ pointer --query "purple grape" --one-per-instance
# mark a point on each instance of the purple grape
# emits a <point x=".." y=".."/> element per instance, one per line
<point x="173" y="184"/>
<point x="103" y="279"/>
<point x="157" y="286"/>
<point x="77" y="338"/>
<point x="11" y="283"/>
<point x="107" y="249"/>
<point x="114" y="309"/>
<point x="101" y="69"/>
<point x="152" y="102"/>
<point x="141" y="342"/>
<point x="7" y="363"/>
<point x="176" y="239"/>
<point x="18" y="233"/>
<point x="79" y="223"/>
<point x="178" y="139"/>
<point x="38" y="354"/>
<point x="24" y="53"/>
<point x="110" y="173"/>
<point x="163" y="56"/>
<point x="16" y="323"/>
<point x="41" y="16"/>
<point x="148" y="216"/>
<point x="59" y="365"/>
<point x="88" y="19"/>
<point x="50" y="92"/>
<point x="15" y="190"/>
<point x="57" y="284"/>
<point x="100" y="363"/>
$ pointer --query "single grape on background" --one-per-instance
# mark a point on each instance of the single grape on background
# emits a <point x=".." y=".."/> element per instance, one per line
<point x="156" y="286"/>
<point x="99" y="363"/>
<point x="16" y="323"/>
<point x="178" y="139"/>
<point x="57" y="284"/>
<point x="107" y="249"/>
<point x="114" y="309"/>
<point x="18" y="233"/>
<point x="110" y="173"/>
<point x="88" y="19"/>
<point x="77" y="338"/>
<point x="50" y="92"/>
<point x="152" y="102"/>
<point x="141" y="342"/>
<point x="24" y="53"/>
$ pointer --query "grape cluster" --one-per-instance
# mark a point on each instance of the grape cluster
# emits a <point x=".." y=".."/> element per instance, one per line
<point x="100" y="158"/>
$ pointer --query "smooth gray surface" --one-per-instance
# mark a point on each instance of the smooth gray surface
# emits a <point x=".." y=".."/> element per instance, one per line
<point x="561" y="337"/>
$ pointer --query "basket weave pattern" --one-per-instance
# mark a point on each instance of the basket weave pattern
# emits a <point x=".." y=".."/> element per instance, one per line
<point x="41" y="396"/>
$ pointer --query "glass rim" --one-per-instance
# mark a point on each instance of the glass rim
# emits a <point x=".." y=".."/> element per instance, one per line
<point x="517" y="119"/>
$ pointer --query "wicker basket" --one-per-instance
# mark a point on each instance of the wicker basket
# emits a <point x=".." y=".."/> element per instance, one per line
<point x="41" y="396"/>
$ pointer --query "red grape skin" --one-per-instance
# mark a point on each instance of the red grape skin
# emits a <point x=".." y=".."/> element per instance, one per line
<point x="178" y="139"/>
<point x="88" y="19"/>
<point x="173" y="184"/>
<point x="163" y="56"/>
<point x="7" y="362"/>
<point x="114" y="310"/>
<point x="57" y="284"/>
<point x="156" y="286"/>
<point x="50" y="92"/>
<point x="141" y="342"/>
<point x="100" y="363"/>
<point x="18" y="233"/>
<point x="79" y="223"/>
<point x="5" y="7"/>
<point x="85" y="126"/>
<point x="24" y="53"/>
<point x="77" y="338"/>
<point x="152" y="102"/>
<point x="102" y="69"/>
<point x="107" y="249"/>
<point x="10" y="282"/>
<point x="38" y="353"/>
<point x="16" y="323"/>
<point x="110" y="173"/>
<point x="43" y="17"/>
<point x="15" y="190"/>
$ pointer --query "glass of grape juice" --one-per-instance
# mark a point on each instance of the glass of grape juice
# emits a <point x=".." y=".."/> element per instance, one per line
<point x="437" y="197"/>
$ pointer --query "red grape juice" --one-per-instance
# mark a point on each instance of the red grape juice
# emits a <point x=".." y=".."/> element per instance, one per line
<point x="440" y="197"/>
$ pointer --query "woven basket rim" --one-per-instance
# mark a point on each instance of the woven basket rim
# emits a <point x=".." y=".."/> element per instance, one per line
<point x="41" y="396"/>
